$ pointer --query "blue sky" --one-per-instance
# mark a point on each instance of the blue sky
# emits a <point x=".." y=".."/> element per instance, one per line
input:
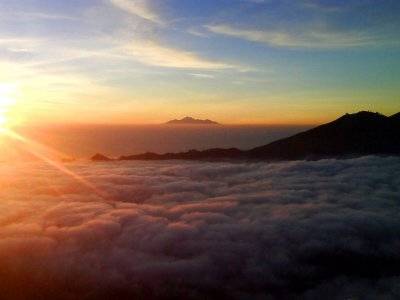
<point x="237" y="61"/>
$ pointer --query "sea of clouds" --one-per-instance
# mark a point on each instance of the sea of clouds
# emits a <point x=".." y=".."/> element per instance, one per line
<point x="326" y="229"/>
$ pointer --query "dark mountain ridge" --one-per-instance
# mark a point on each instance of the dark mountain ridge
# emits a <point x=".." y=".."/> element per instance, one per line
<point x="362" y="133"/>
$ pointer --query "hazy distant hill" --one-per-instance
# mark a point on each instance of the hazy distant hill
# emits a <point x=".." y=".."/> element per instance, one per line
<point x="362" y="133"/>
<point x="100" y="157"/>
<point x="191" y="121"/>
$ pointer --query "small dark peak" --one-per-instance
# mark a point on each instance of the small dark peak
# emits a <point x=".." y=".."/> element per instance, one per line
<point x="191" y="121"/>
<point x="363" y="115"/>
<point x="369" y="114"/>
<point x="100" y="157"/>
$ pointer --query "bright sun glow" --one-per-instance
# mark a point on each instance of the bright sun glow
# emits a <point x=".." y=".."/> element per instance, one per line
<point x="3" y="119"/>
<point x="7" y="100"/>
<point x="3" y="115"/>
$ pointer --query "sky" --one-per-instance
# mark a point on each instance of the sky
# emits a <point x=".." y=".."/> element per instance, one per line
<point x="234" y="61"/>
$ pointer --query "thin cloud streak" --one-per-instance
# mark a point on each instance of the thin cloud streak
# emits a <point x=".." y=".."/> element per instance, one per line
<point x="202" y="76"/>
<point x="315" y="38"/>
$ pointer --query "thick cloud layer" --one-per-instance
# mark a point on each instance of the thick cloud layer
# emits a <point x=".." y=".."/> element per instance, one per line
<point x="328" y="229"/>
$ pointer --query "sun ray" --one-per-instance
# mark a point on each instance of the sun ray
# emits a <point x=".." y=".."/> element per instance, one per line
<point x="44" y="153"/>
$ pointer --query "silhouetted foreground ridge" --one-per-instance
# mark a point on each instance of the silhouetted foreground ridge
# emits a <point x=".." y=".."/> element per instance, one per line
<point x="362" y="133"/>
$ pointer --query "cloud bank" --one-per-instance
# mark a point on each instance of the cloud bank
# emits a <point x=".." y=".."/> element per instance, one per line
<point x="184" y="230"/>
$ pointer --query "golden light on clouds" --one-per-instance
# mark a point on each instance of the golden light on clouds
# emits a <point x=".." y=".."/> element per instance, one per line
<point x="152" y="53"/>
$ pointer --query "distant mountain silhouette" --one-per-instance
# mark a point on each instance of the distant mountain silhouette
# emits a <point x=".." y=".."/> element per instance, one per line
<point x="191" y="121"/>
<point x="362" y="133"/>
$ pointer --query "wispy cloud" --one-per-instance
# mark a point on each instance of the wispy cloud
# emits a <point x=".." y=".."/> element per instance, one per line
<point x="309" y="38"/>
<point x="140" y="8"/>
<point x="197" y="32"/>
<point x="202" y="76"/>
<point x="12" y="41"/>
<point x="22" y="15"/>
<point x="256" y="1"/>
<point x="324" y="8"/>
<point x="45" y="16"/>
<point x="152" y="53"/>
<point x="20" y="45"/>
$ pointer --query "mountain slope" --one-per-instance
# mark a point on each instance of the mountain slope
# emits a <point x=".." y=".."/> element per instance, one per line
<point x="353" y="134"/>
<point x="395" y="117"/>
